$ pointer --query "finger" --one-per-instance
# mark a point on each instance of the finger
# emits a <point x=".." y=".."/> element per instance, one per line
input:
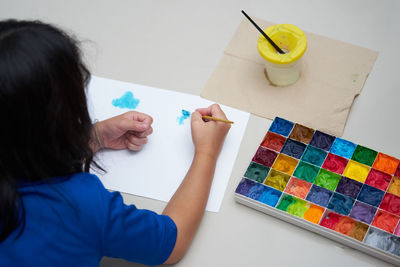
<point x="138" y="116"/>
<point x="143" y="134"/>
<point x="136" y="140"/>
<point x="144" y="118"/>
<point x="133" y="147"/>
<point x="214" y="110"/>
<point x="196" y="117"/>
<point x="217" y="112"/>
<point x="204" y="111"/>
<point x="134" y="125"/>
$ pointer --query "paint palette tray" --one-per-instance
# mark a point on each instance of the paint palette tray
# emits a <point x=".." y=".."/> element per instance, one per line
<point x="328" y="185"/>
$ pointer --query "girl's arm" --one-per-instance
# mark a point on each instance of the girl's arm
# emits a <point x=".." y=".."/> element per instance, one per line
<point x="186" y="207"/>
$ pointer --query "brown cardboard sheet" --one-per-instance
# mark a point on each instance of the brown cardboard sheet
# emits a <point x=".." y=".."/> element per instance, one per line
<point x="333" y="74"/>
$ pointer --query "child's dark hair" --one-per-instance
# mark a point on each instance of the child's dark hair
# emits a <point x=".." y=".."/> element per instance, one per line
<point x="45" y="124"/>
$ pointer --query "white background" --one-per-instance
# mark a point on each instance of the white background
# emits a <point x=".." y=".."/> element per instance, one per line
<point x="176" y="44"/>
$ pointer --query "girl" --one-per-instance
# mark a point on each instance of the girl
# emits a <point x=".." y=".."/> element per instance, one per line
<point x="52" y="211"/>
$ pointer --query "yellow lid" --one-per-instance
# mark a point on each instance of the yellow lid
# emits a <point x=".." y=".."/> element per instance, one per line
<point x="288" y="37"/>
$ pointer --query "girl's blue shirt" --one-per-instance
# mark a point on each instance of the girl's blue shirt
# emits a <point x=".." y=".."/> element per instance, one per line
<point x="75" y="221"/>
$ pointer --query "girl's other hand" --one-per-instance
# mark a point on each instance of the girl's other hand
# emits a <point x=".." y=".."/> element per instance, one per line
<point x="128" y="130"/>
<point x="208" y="137"/>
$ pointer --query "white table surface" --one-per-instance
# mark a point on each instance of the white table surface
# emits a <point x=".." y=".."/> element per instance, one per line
<point x="176" y="44"/>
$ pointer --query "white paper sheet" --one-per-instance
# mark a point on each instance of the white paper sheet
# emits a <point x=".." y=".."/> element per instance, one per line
<point x="158" y="169"/>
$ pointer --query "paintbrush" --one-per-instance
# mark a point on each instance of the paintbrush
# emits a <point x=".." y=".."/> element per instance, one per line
<point x="216" y="119"/>
<point x="280" y="51"/>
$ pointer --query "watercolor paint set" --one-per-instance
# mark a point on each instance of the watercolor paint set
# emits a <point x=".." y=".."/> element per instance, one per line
<point x="328" y="185"/>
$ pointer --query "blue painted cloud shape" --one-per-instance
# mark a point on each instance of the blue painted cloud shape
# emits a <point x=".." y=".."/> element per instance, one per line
<point x="126" y="101"/>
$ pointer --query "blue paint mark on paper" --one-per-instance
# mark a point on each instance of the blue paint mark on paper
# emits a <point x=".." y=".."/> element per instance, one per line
<point x="126" y="101"/>
<point x="185" y="115"/>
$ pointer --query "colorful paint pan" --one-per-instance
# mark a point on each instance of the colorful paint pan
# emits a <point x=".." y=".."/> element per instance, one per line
<point x="277" y="180"/>
<point x="363" y="212"/>
<point x="391" y="203"/>
<point x="343" y="148"/>
<point x="301" y="133"/>
<point x="285" y="164"/>
<point x="281" y="126"/>
<point x="244" y="186"/>
<point x="330" y="220"/>
<point x="341" y="204"/>
<point x="356" y="171"/>
<point x="265" y="156"/>
<point x="298" y="188"/>
<point x="313" y="214"/>
<point x="273" y="141"/>
<point x="306" y="171"/>
<point x="327" y="179"/>
<point x="335" y="163"/>
<point x="394" y="187"/>
<point x="378" y="179"/>
<point x="319" y="195"/>
<point x="313" y="155"/>
<point x="322" y="140"/>
<point x="349" y="187"/>
<point x="386" y="163"/>
<point x="348" y="192"/>
<point x="257" y="172"/>
<point x="293" y="148"/>
<point x="371" y="195"/>
<point x="364" y="155"/>
<point x="358" y="231"/>
<point x="383" y="241"/>
<point x="385" y="221"/>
